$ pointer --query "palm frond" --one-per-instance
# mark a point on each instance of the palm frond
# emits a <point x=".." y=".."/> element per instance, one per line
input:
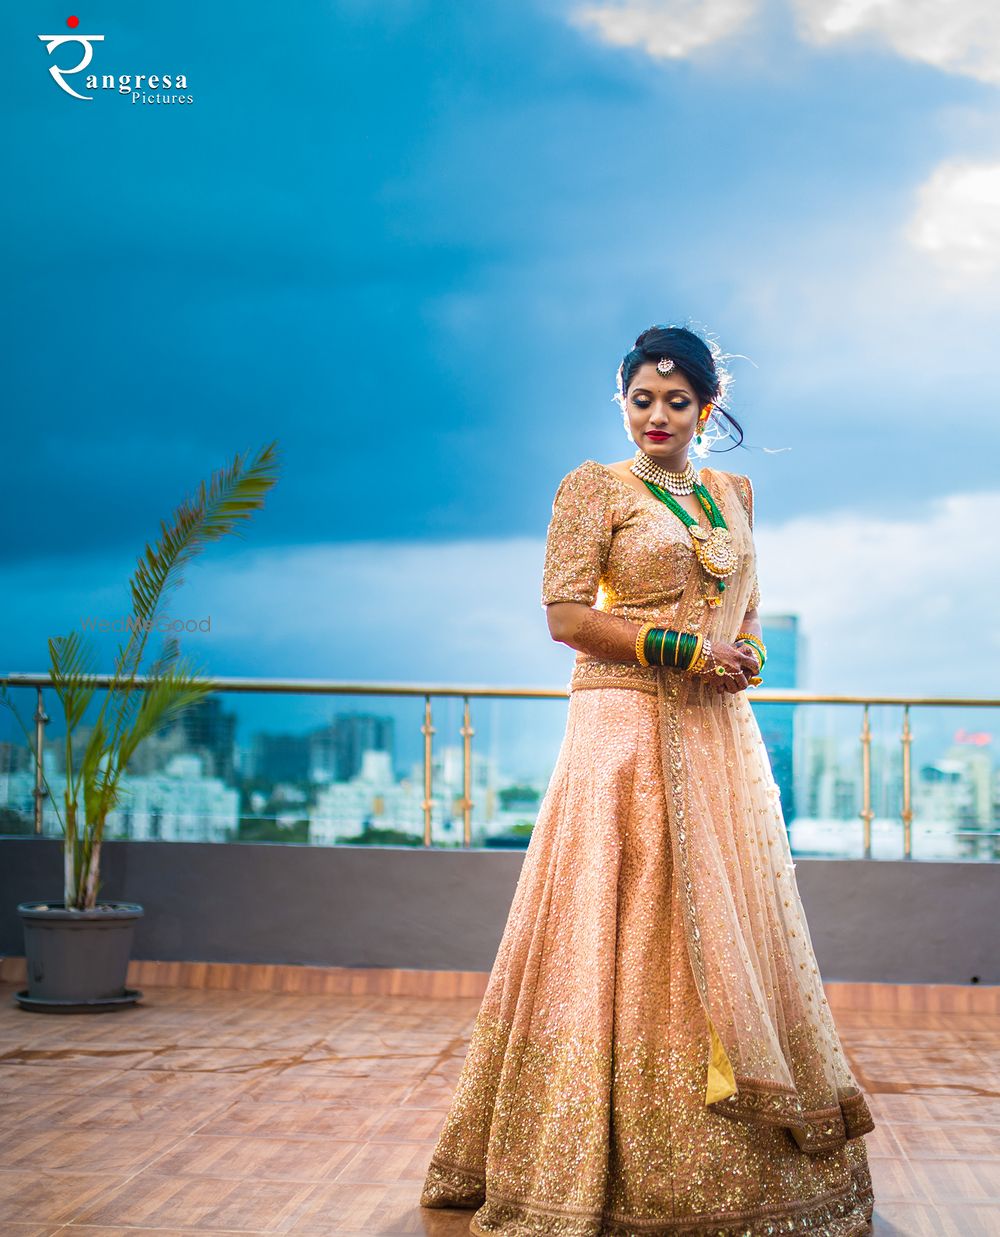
<point x="233" y="494"/>
<point x="71" y="663"/>
<point x="129" y="702"/>
<point x="135" y="712"/>
<point x="174" y="691"/>
<point x="168" y="656"/>
<point x="231" y="497"/>
<point x="94" y="771"/>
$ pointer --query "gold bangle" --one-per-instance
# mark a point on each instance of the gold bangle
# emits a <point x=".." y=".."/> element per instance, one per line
<point x="748" y="637"/>
<point x="758" y="658"/>
<point x="640" y="640"/>
<point x="704" y="656"/>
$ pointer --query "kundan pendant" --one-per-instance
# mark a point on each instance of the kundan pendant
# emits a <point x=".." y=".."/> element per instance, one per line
<point x="717" y="554"/>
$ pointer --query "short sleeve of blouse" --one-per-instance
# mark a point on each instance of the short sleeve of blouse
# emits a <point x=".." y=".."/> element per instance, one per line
<point x="579" y="537"/>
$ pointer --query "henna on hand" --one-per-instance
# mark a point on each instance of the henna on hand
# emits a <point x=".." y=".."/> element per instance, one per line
<point x="738" y="660"/>
<point x="606" y="636"/>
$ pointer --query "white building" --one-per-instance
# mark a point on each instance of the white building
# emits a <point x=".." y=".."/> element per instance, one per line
<point x="375" y="798"/>
<point x="177" y="804"/>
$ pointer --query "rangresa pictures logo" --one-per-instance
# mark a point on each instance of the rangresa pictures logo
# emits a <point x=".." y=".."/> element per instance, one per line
<point x="121" y="83"/>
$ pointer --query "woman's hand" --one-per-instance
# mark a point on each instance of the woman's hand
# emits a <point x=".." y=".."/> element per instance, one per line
<point x="740" y="663"/>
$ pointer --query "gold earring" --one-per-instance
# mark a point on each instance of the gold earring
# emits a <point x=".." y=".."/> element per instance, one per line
<point x="701" y="422"/>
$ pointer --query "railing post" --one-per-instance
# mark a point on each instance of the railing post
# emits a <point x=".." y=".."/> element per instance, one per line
<point x="427" y="729"/>
<point x="467" y="732"/>
<point x="907" y="813"/>
<point x="866" y="783"/>
<point x="41" y="720"/>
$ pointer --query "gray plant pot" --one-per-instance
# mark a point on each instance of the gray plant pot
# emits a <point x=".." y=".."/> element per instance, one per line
<point x="77" y="960"/>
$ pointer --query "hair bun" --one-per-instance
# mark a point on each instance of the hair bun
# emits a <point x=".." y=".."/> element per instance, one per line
<point x="699" y="359"/>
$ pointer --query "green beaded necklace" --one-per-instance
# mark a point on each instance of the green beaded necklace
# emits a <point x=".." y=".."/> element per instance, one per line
<point x="714" y="548"/>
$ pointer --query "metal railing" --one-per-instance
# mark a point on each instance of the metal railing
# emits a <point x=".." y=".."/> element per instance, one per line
<point x="429" y="691"/>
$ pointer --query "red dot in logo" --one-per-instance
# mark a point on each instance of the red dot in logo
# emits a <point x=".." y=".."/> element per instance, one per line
<point x="73" y="22"/>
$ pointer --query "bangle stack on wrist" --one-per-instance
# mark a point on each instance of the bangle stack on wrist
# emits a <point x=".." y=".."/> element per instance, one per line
<point x="688" y="650"/>
<point x="758" y="646"/>
<point x="664" y="646"/>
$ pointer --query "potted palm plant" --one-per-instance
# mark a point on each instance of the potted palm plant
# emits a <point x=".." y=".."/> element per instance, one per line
<point x="78" y="948"/>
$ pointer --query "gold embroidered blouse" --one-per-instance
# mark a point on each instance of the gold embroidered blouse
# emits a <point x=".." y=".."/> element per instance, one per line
<point x="626" y="553"/>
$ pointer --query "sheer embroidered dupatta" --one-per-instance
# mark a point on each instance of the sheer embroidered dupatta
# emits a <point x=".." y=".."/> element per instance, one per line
<point x="774" y="1055"/>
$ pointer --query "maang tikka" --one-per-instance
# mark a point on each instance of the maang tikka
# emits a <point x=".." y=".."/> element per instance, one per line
<point x="664" y="366"/>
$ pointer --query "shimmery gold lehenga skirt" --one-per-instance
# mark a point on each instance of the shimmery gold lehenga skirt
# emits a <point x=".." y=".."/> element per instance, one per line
<point x="654" y="1053"/>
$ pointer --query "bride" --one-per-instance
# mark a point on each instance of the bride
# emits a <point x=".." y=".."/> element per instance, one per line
<point x="654" y="1053"/>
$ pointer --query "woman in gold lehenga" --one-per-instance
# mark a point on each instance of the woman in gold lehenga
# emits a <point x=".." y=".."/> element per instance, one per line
<point x="654" y="1053"/>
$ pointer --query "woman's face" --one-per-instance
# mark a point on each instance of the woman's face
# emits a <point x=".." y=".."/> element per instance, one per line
<point x="660" y="405"/>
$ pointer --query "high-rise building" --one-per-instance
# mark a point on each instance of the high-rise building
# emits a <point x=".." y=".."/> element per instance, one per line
<point x="777" y="721"/>
<point x="210" y="731"/>
<point x="280" y="757"/>
<point x="336" y="752"/>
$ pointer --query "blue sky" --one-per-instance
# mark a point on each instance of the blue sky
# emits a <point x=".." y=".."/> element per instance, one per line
<point x="412" y="241"/>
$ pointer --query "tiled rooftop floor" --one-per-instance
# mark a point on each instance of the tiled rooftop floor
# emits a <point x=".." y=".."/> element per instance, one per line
<point x="227" y="1112"/>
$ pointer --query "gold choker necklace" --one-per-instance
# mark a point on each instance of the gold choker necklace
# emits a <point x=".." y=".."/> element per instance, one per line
<point x="647" y="469"/>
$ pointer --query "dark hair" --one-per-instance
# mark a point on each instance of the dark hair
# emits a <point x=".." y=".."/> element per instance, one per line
<point x="699" y="361"/>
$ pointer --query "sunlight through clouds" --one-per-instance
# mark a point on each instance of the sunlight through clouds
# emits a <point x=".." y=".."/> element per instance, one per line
<point x="958" y="36"/>
<point x="664" y="29"/>
<point x="955" y="221"/>
<point x="957" y="217"/>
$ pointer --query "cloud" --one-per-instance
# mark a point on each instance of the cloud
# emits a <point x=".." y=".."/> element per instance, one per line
<point x="956" y="36"/>
<point x="892" y="605"/>
<point x="664" y="29"/>
<point x="957" y="218"/>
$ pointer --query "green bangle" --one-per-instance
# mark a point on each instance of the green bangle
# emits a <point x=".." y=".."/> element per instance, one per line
<point x="665" y="646"/>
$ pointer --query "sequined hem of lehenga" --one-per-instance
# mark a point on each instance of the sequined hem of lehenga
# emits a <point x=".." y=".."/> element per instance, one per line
<point x="840" y="1213"/>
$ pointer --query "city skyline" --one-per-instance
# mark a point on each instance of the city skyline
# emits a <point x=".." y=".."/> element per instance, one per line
<point x="360" y="767"/>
